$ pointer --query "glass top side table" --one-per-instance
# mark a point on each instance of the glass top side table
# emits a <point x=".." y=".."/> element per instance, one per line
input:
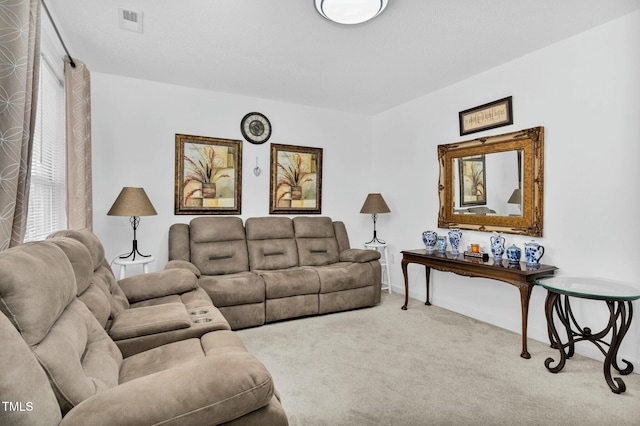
<point x="618" y="297"/>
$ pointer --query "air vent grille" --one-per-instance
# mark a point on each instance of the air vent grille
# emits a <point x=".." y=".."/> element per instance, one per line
<point x="130" y="20"/>
<point x="130" y="15"/>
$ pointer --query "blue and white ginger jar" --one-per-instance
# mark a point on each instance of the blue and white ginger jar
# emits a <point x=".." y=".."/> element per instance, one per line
<point x="513" y="254"/>
<point x="454" y="238"/>
<point x="430" y="238"/>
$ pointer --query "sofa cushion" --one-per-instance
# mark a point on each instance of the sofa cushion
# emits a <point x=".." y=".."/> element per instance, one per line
<point x="271" y="243"/>
<point x="341" y="235"/>
<point x="179" y="242"/>
<point x="159" y="359"/>
<point x="234" y="385"/>
<point x="177" y="353"/>
<point x="290" y="282"/>
<point x="37" y="292"/>
<point x="359" y="255"/>
<point x="269" y="228"/>
<point x="218" y="245"/>
<point x="158" y="284"/>
<point x="79" y="356"/>
<point x="233" y="289"/>
<point x="344" y="276"/>
<point x="102" y="273"/>
<point x="147" y="320"/>
<point x="37" y="284"/>
<point x="316" y="241"/>
<point x="88" y="239"/>
<point x="80" y="258"/>
<point x="23" y="380"/>
<point x="98" y="301"/>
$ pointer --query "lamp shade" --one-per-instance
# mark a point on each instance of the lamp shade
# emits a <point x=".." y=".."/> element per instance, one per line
<point x="516" y="197"/>
<point x="374" y="204"/>
<point x="132" y="202"/>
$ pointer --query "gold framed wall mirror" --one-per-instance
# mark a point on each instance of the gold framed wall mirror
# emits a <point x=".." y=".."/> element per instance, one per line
<point x="494" y="183"/>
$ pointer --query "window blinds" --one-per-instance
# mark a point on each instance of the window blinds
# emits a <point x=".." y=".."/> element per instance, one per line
<point x="46" y="212"/>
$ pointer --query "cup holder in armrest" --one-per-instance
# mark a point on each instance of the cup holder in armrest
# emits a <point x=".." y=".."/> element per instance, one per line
<point x="202" y="320"/>
<point x="199" y="312"/>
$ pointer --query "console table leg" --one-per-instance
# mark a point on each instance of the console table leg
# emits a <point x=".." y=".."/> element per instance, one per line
<point x="406" y="284"/>
<point x="428" y="272"/>
<point x="525" y="296"/>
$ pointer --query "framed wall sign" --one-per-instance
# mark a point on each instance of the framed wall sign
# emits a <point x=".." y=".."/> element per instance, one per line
<point x="488" y="116"/>
<point x="296" y="180"/>
<point x="208" y="175"/>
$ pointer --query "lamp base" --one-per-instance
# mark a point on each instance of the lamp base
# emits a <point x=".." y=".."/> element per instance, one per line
<point x="134" y="252"/>
<point x="375" y="240"/>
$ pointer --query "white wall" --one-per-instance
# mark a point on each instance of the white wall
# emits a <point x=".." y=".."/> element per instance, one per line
<point x="585" y="92"/>
<point x="134" y="126"/>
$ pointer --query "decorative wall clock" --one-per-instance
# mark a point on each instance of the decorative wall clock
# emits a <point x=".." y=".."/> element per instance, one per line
<point x="255" y="128"/>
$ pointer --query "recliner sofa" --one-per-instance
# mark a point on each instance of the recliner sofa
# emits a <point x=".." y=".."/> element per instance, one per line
<point x="275" y="268"/>
<point x="143" y="311"/>
<point x="58" y="365"/>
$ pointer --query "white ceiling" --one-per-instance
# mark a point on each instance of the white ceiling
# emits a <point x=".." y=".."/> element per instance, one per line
<point x="284" y="50"/>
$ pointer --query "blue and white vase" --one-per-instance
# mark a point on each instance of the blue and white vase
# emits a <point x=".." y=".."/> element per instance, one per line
<point x="430" y="238"/>
<point x="497" y="245"/>
<point x="533" y="253"/>
<point x="454" y="238"/>
<point x="513" y="254"/>
<point x="441" y="244"/>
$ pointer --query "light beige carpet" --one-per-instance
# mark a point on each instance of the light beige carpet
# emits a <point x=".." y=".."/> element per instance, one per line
<point x="429" y="366"/>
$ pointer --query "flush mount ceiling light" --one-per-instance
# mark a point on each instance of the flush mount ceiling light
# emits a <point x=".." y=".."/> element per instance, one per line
<point x="350" y="11"/>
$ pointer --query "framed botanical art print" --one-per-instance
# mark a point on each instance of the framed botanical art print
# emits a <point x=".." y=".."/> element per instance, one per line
<point x="473" y="191"/>
<point x="208" y="175"/>
<point x="296" y="180"/>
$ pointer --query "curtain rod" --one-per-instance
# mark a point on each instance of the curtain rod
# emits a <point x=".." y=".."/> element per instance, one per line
<point x="46" y="9"/>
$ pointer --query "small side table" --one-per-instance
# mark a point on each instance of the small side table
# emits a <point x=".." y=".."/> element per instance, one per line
<point x="616" y="295"/>
<point x="384" y="263"/>
<point x="123" y="263"/>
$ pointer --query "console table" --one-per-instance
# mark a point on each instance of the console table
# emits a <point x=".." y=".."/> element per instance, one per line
<point x="618" y="297"/>
<point x="517" y="274"/>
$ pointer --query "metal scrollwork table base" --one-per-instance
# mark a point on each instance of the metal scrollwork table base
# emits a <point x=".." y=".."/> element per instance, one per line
<point x="618" y="297"/>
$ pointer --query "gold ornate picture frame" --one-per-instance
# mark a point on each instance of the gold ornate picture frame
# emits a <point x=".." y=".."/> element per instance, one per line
<point x="527" y="149"/>
<point x="208" y="175"/>
<point x="296" y="180"/>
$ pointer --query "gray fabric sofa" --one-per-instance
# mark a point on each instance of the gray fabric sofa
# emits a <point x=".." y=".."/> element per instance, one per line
<point x="58" y="364"/>
<point x="143" y="311"/>
<point x="275" y="268"/>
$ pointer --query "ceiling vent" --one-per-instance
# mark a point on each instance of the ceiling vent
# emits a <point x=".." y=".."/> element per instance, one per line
<point x="130" y="20"/>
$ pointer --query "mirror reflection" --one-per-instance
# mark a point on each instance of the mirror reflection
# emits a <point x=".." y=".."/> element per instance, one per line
<point x="488" y="184"/>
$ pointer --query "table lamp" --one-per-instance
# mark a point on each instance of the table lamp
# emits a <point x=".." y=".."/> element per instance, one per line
<point x="516" y="198"/>
<point x="375" y="204"/>
<point x="133" y="202"/>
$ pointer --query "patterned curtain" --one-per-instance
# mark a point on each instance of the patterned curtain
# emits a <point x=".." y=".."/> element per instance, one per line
<point x="19" y="74"/>
<point x="79" y="187"/>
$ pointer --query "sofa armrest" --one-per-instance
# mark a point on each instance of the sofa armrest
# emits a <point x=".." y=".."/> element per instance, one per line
<point x="359" y="255"/>
<point x="183" y="264"/>
<point x="158" y="284"/>
<point x="147" y="320"/>
<point x="211" y="390"/>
